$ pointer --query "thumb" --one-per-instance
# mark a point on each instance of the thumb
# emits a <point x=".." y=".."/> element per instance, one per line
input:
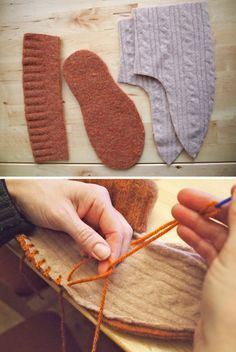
<point x="232" y="221"/>
<point x="91" y="242"/>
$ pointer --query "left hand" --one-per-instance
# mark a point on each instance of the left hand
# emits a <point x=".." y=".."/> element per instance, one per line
<point x="84" y="211"/>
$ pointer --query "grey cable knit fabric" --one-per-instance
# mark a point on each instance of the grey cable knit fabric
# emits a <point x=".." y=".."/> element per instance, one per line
<point x="173" y="44"/>
<point x="164" y="134"/>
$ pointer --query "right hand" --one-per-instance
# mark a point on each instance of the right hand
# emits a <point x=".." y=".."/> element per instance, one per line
<point x="216" y="242"/>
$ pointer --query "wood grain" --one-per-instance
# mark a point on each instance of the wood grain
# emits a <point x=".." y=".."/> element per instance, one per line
<point x="92" y="24"/>
<point x="93" y="170"/>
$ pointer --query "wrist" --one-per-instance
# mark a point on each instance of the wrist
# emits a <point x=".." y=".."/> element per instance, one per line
<point x="12" y="187"/>
<point x="12" y="222"/>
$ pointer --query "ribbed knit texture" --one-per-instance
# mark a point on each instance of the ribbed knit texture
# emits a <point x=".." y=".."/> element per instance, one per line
<point x="43" y="101"/>
<point x="11" y="221"/>
<point x="174" y="45"/>
<point x="113" y="124"/>
<point x="157" y="288"/>
<point x="164" y="134"/>
<point x="142" y="194"/>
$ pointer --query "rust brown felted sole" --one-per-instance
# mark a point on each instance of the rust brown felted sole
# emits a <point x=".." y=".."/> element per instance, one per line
<point x="151" y="332"/>
<point x="111" y="119"/>
<point x="134" y="199"/>
<point x="42" y="93"/>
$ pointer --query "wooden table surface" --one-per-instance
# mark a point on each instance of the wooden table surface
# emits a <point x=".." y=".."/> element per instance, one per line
<point x="92" y="24"/>
<point x="168" y="190"/>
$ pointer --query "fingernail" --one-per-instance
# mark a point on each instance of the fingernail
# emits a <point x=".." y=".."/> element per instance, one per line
<point x="101" y="251"/>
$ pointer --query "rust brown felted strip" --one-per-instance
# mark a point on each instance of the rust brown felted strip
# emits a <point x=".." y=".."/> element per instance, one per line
<point x="134" y="199"/>
<point x="43" y="101"/>
<point x="111" y="119"/>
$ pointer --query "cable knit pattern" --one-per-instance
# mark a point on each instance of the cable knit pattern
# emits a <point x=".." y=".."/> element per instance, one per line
<point x="174" y="45"/>
<point x="165" y="138"/>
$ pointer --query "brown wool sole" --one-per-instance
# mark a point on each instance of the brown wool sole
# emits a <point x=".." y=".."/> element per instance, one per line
<point x="150" y="332"/>
<point x="111" y="119"/>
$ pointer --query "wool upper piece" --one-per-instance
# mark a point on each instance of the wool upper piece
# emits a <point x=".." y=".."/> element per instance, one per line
<point x="173" y="46"/>
<point x="141" y="194"/>
<point x="111" y="119"/>
<point x="164" y="135"/>
<point x="155" y="292"/>
<point x="42" y="96"/>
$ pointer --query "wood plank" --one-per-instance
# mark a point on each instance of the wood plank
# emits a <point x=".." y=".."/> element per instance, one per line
<point x="85" y="170"/>
<point x="92" y="24"/>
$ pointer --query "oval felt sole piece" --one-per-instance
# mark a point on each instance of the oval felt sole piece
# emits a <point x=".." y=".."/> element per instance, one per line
<point x="111" y="119"/>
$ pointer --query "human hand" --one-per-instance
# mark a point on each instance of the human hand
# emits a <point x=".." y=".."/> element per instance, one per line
<point x="84" y="211"/>
<point x="216" y="242"/>
<point x="206" y="236"/>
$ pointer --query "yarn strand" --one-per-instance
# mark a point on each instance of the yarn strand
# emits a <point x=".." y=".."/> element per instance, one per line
<point x="142" y="242"/>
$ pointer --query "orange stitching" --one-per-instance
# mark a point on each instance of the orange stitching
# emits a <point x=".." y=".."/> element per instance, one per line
<point x="46" y="272"/>
<point x="31" y="257"/>
<point x="40" y="263"/>
<point x="58" y="280"/>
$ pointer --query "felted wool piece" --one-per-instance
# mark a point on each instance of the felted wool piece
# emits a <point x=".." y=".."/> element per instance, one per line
<point x="112" y="122"/>
<point x="141" y="194"/>
<point x="155" y="292"/>
<point x="173" y="44"/>
<point x="42" y="95"/>
<point x="167" y="142"/>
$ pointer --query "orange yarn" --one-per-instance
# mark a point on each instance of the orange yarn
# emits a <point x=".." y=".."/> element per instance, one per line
<point x="139" y="244"/>
<point x="100" y="315"/>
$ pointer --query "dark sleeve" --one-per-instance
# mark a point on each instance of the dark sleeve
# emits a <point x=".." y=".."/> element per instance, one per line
<point x="11" y="221"/>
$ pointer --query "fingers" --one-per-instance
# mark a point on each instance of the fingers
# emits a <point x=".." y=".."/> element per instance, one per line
<point x="119" y="239"/>
<point x="230" y="245"/>
<point x="198" y="200"/>
<point x="109" y="223"/>
<point x="201" y="246"/>
<point x="128" y="233"/>
<point x="232" y="213"/>
<point x="205" y="228"/>
<point x="96" y="210"/>
<point x="90" y="241"/>
<point x="204" y="235"/>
